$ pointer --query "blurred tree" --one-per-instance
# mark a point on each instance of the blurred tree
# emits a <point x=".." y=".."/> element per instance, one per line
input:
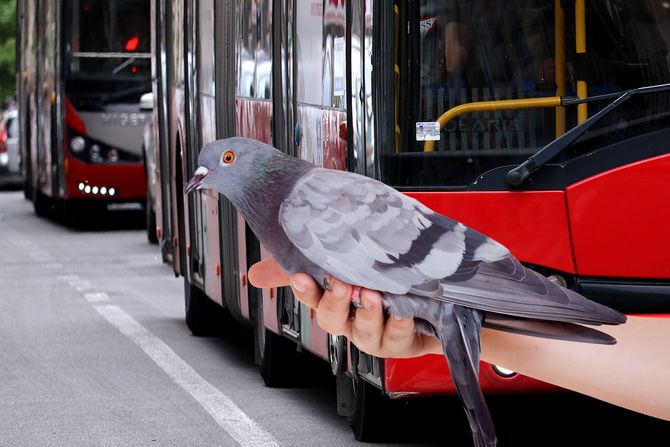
<point x="7" y="49"/>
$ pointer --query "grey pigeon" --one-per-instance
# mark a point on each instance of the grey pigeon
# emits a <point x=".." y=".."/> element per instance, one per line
<point x="450" y="278"/>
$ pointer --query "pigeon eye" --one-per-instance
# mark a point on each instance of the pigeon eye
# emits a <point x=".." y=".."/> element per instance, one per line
<point x="228" y="157"/>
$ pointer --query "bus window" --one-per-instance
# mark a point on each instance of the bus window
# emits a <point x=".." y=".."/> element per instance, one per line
<point x="206" y="73"/>
<point x="334" y="54"/>
<point x="321" y="53"/>
<point x="253" y="48"/>
<point x="108" y="49"/>
<point x="465" y="53"/>
<point x="309" y="39"/>
<point x="206" y="56"/>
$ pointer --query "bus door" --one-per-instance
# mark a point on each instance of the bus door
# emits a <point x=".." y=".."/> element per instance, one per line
<point x="46" y="96"/>
<point x="199" y="129"/>
<point x="208" y="246"/>
<point x="243" y="36"/>
<point x="164" y="222"/>
<point x="309" y="117"/>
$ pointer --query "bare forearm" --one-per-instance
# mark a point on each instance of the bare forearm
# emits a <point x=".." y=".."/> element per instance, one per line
<point x="634" y="373"/>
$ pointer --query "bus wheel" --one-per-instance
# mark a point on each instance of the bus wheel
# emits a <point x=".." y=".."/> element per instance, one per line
<point x="278" y="359"/>
<point x="344" y="386"/>
<point x="366" y="415"/>
<point x="204" y="317"/>
<point x="27" y="188"/>
<point x="42" y="204"/>
<point x="151" y="222"/>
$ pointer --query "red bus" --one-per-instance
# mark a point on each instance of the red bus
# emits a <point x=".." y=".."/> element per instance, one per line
<point x="82" y="68"/>
<point x="542" y="124"/>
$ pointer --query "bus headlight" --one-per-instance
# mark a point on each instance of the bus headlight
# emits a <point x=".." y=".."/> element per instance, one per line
<point x="94" y="153"/>
<point x="113" y="155"/>
<point x="77" y="144"/>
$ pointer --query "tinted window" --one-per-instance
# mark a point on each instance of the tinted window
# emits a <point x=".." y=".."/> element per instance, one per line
<point x="253" y="48"/>
<point x="107" y="51"/>
<point x="12" y="128"/>
<point x="468" y="52"/>
<point x="108" y="39"/>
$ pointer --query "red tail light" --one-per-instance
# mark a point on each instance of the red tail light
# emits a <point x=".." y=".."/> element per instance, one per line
<point x="3" y="140"/>
<point x="132" y="43"/>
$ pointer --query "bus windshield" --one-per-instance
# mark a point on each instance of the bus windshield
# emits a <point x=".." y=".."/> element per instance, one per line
<point x="459" y="56"/>
<point x="107" y="53"/>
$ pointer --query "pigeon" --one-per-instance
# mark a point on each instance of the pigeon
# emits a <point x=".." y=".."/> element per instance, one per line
<point x="451" y="279"/>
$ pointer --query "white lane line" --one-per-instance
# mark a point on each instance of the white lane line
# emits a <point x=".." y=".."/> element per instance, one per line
<point x="81" y="285"/>
<point x="224" y="411"/>
<point x="96" y="297"/>
<point x="67" y="278"/>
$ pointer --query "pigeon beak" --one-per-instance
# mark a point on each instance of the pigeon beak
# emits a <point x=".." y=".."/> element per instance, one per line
<point x="197" y="179"/>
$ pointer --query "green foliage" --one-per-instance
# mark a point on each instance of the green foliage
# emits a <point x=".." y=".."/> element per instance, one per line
<point x="7" y="48"/>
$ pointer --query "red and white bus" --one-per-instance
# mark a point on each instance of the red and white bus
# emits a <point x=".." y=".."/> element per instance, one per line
<point x="500" y="115"/>
<point x="82" y="68"/>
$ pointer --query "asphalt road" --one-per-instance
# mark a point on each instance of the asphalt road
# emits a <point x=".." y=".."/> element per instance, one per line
<point x="94" y="352"/>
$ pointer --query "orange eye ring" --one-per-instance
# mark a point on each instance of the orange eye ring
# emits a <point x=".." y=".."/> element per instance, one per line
<point x="228" y="157"/>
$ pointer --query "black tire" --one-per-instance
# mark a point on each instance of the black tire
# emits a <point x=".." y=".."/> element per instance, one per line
<point x="367" y="409"/>
<point x="72" y="212"/>
<point x="204" y="317"/>
<point x="43" y="205"/>
<point x="278" y="359"/>
<point x="27" y="189"/>
<point x="151" y="222"/>
<point x="366" y="419"/>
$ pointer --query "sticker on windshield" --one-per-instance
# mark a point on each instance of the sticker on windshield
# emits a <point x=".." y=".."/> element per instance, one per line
<point x="428" y="131"/>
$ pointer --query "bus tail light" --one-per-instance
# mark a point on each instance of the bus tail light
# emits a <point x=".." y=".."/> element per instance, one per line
<point x="3" y="140"/>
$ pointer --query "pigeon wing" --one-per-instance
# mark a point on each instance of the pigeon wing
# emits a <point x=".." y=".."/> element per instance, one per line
<point x="366" y="233"/>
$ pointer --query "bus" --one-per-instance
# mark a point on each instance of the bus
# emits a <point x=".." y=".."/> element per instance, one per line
<point x="541" y="123"/>
<point x="82" y="66"/>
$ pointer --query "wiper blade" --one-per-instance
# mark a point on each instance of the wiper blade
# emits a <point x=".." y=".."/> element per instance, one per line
<point x="121" y="93"/>
<point x="520" y="174"/>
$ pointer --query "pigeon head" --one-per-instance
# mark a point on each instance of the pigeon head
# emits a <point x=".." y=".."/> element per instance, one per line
<point x="230" y="165"/>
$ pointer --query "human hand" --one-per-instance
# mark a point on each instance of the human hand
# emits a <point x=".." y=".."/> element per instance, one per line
<point x="367" y="328"/>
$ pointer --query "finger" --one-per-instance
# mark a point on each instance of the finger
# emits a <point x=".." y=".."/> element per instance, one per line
<point x="400" y="340"/>
<point x="267" y="273"/>
<point x="368" y="325"/>
<point x="333" y="309"/>
<point x="306" y="290"/>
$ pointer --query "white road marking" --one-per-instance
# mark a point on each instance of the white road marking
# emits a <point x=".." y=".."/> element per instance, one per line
<point x="67" y="278"/>
<point x="81" y="285"/>
<point x="224" y="411"/>
<point x="96" y="297"/>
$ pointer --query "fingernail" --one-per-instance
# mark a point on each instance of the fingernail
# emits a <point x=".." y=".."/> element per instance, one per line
<point x="298" y="286"/>
<point x="359" y="298"/>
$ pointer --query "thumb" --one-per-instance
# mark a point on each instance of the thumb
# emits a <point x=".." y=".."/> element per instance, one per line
<point x="267" y="273"/>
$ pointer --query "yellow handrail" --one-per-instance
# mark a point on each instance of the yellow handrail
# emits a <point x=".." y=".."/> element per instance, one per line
<point x="559" y="63"/>
<point x="580" y="48"/>
<point x="486" y="106"/>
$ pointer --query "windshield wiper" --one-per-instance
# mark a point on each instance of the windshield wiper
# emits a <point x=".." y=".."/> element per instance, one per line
<point x="520" y="174"/>
<point x="123" y="65"/>
<point x="106" y="98"/>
